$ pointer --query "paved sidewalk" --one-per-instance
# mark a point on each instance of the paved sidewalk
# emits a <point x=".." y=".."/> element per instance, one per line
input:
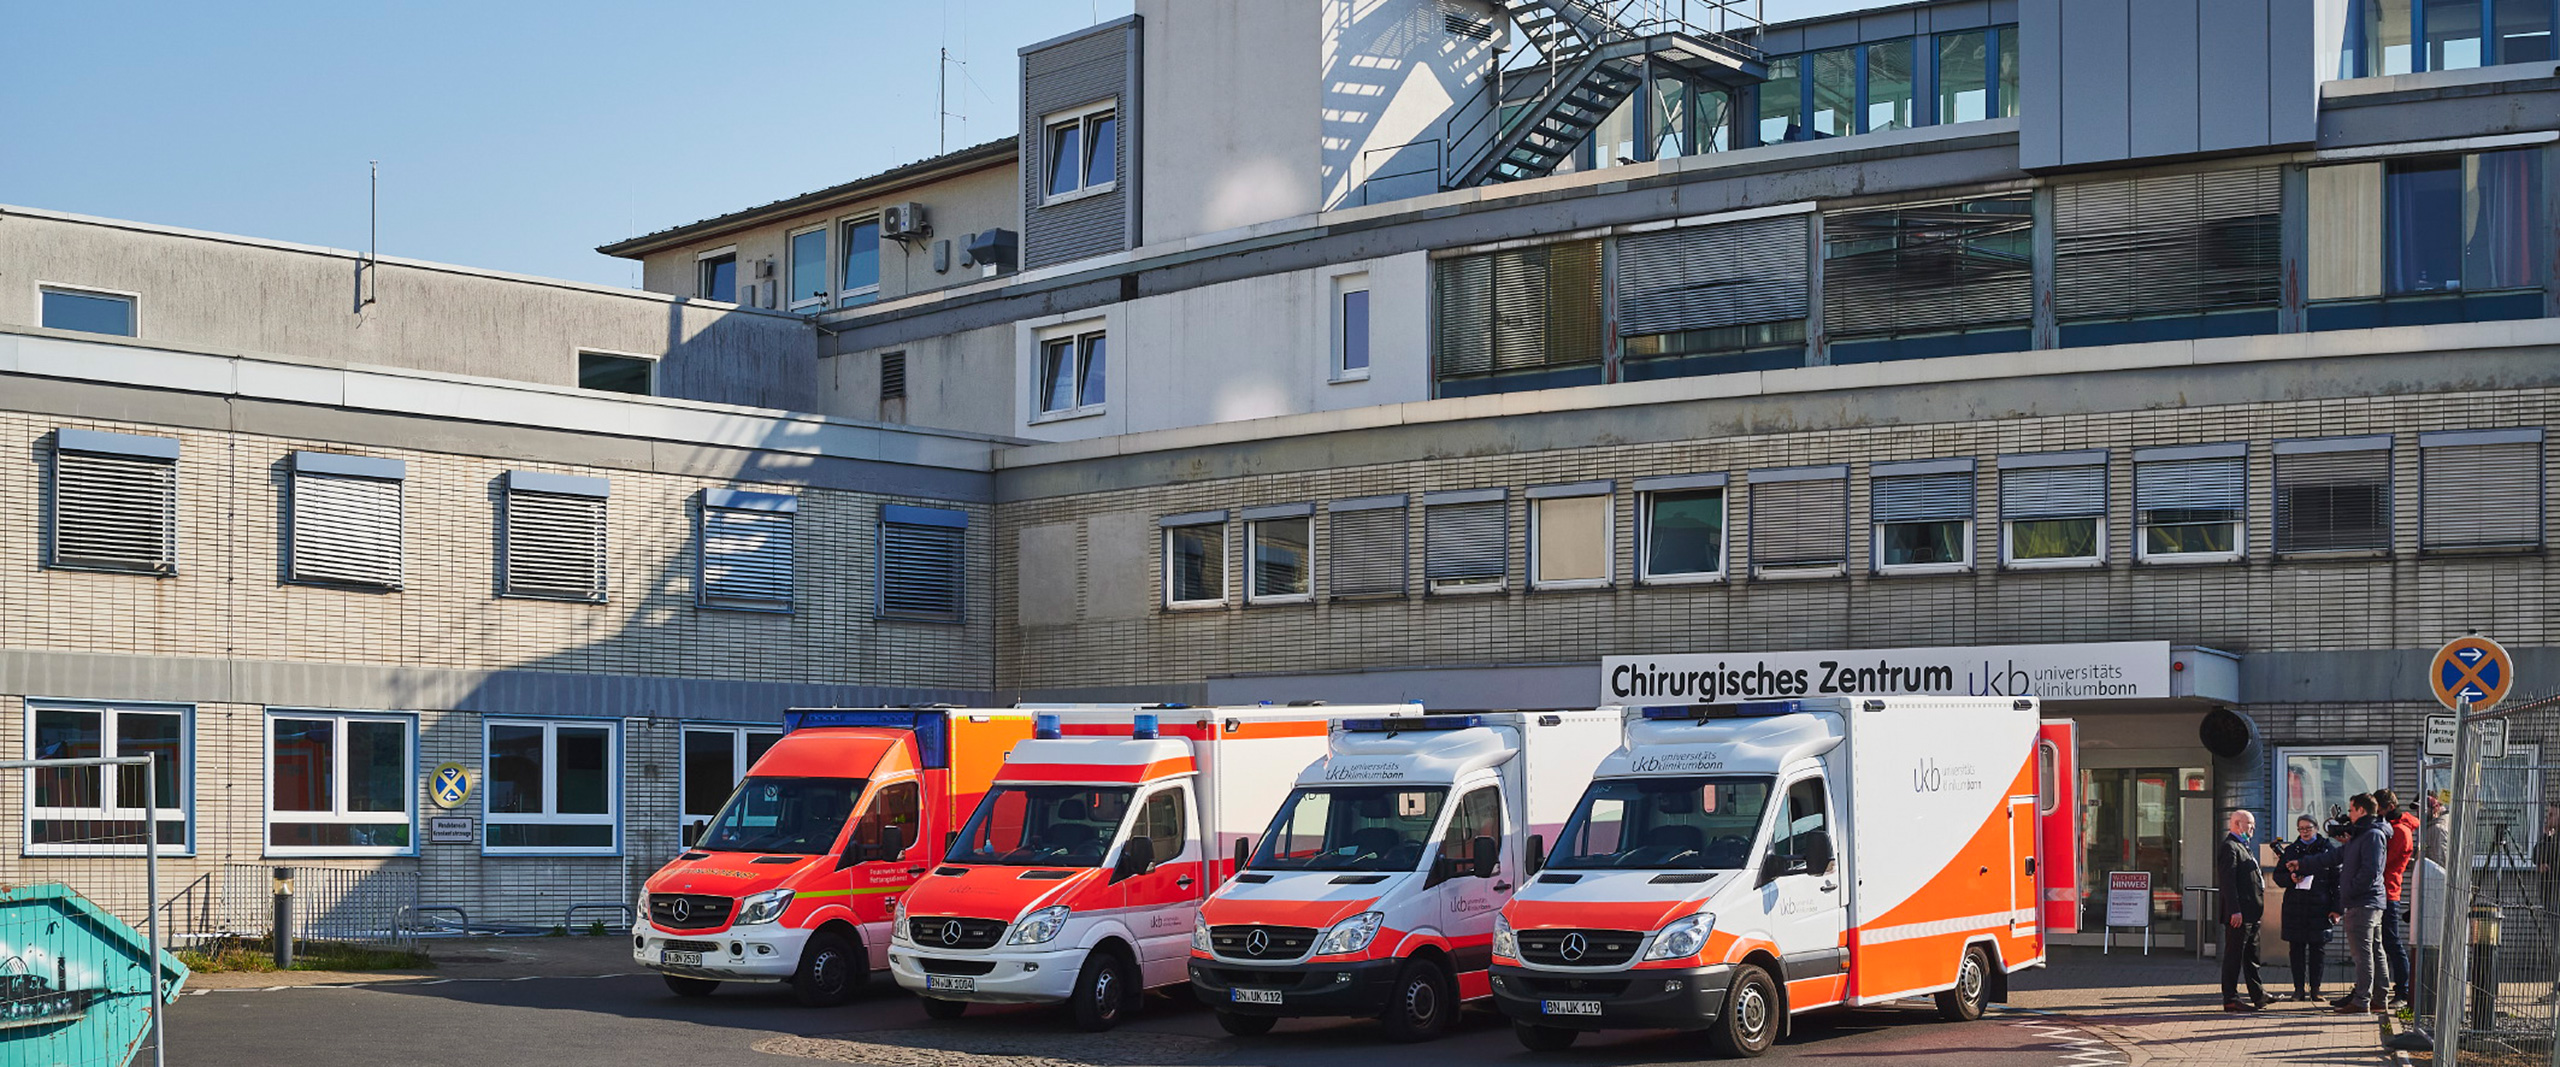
<point x="458" y="959"/>
<point x="2167" y="1010"/>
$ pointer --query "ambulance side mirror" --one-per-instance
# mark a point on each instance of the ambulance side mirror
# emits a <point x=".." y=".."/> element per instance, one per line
<point x="950" y="841"/>
<point x="1779" y="865"/>
<point x="1537" y="853"/>
<point x="893" y="843"/>
<point x="1485" y="857"/>
<point x="1244" y="852"/>
<point x="1817" y="852"/>
<point x="1136" y="857"/>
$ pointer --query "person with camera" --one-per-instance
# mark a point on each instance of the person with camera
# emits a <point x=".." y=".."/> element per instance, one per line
<point x="2310" y="908"/>
<point x="2361" y="901"/>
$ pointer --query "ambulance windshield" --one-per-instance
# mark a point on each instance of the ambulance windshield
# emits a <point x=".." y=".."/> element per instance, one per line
<point x="1701" y="823"/>
<point x="1351" y="828"/>
<point x="799" y="816"/>
<point x="1043" y="825"/>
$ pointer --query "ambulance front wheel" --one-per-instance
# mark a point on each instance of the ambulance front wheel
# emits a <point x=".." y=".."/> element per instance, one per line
<point x="829" y="971"/>
<point x="1104" y="991"/>
<point x="1423" y="1003"/>
<point x="689" y="987"/>
<point x="938" y="1008"/>
<point x="1963" y="1004"/>
<point x="1748" y="1025"/>
<point x="1538" y="1038"/>
<point x="1245" y="1025"/>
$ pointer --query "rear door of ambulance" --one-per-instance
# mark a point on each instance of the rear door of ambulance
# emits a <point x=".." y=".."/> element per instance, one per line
<point x="2058" y="830"/>
<point x="1937" y="788"/>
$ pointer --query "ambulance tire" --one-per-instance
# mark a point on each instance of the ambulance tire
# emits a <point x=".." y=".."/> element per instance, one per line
<point x="1245" y="1025"/>
<point x="1749" y="1023"/>
<point x="1538" y="1038"/>
<point x="689" y="987"/>
<point x="1105" y="990"/>
<point x="1963" y="1004"/>
<point x="938" y="1008"/>
<point x="831" y="970"/>
<point x="1423" y="1004"/>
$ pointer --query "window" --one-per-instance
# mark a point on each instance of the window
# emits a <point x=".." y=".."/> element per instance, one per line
<point x="2172" y="250"/>
<point x="2480" y="490"/>
<point x="2447" y="226"/>
<point x="346" y="526"/>
<point x="923" y="563"/>
<point x="1160" y="823"/>
<point x="1800" y="522"/>
<point x="551" y="538"/>
<point x="1923" y="516"/>
<point x="2005" y="97"/>
<point x="2053" y="509"/>
<point x="899" y="804"/>
<point x="115" y="502"/>
<point x="2454" y="40"/>
<point x="1522" y="318"/>
<point x="808" y="270"/>
<point x="747" y="549"/>
<point x="1888" y="102"/>
<point x="1954" y="277"/>
<point x="1195" y="559"/>
<point x="1807" y="813"/>
<point x="1282" y="568"/>
<point x="2523" y="31"/>
<point x="1072" y="372"/>
<point x="2191" y="503"/>
<point x="94" y="811"/>
<point x="1465" y="540"/>
<point x="1366" y="547"/>
<point x="1084" y="153"/>
<point x="1708" y="299"/>
<point x="893" y="376"/>
<point x="2333" y="495"/>
<point x="1834" y="105"/>
<point x="2318" y="781"/>
<point x="1351" y="328"/>
<point x="1569" y="528"/>
<point x="861" y="282"/>
<point x="338" y="784"/>
<point x="716" y="276"/>
<point x="551" y="788"/>
<point x="1680" y="530"/>
<point x="715" y="758"/>
<point x="1478" y="814"/>
<point x="613" y="372"/>
<point x="1964" y="76"/>
<point x="1782" y="101"/>
<point x="87" y="310"/>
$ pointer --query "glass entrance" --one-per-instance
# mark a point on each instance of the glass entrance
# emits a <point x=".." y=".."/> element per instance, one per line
<point x="2132" y="824"/>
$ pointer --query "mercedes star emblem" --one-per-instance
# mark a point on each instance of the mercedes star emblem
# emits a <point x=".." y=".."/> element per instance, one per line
<point x="951" y="932"/>
<point x="682" y="909"/>
<point x="1573" y="948"/>
<point x="1257" y="943"/>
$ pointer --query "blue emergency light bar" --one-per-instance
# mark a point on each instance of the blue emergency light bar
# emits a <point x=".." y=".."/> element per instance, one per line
<point x="1419" y="722"/>
<point x="1045" y="727"/>
<point x="1143" y="728"/>
<point x="1754" y="709"/>
<point x="931" y="727"/>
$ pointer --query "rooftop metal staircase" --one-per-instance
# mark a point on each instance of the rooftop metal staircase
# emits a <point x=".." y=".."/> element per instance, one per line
<point x="1591" y="55"/>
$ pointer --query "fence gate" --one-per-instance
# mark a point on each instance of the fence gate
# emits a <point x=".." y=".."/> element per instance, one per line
<point x="83" y="976"/>
<point x="2489" y="918"/>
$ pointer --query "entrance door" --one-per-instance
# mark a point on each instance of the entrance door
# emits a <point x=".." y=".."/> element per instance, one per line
<point x="2134" y="825"/>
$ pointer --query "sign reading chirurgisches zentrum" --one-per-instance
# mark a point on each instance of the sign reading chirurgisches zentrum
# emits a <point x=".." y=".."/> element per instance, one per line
<point x="2114" y="670"/>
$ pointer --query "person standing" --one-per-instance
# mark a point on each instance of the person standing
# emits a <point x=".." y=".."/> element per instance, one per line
<point x="2360" y="900"/>
<point x="2310" y="909"/>
<point x="2546" y="879"/>
<point x="2436" y="839"/>
<point x="2243" y="904"/>
<point x="2396" y="860"/>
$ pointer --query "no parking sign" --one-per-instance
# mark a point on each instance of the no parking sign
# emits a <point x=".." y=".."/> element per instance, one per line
<point x="2473" y="668"/>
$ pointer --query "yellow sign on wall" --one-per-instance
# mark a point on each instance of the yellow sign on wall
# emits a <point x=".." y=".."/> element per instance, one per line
<point x="450" y="785"/>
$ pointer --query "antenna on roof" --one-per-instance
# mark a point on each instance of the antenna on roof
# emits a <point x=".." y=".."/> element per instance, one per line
<point x="372" y="233"/>
<point x="942" y="101"/>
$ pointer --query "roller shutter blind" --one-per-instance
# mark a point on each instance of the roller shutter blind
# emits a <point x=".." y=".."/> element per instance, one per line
<point x="923" y="563"/>
<point x="1928" y="268"/>
<point x="747" y="551"/>
<point x="2333" y="501"/>
<point x="1519" y="309"/>
<point x="2053" y="492"/>
<point x="2171" y="244"/>
<point x="2480" y="495"/>
<point x="1465" y="542"/>
<point x="1703" y="277"/>
<point x="2192" y="485"/>
<point x="346" y="530"/>
<point x="1923" y="497"/>
<point x="1799" y="523"/>
<point x="553" y="545"/>
<point x="115" y="511"/>
<point x="1367" y="551"/>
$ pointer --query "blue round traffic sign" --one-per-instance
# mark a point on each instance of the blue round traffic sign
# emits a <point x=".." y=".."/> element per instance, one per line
<point x="2472" y="668"/>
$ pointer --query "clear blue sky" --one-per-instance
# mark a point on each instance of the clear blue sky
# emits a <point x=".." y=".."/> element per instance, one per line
<point x="516" y="136"/>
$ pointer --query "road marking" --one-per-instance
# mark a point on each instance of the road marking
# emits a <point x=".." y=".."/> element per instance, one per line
<point x="2079" y="1048"/>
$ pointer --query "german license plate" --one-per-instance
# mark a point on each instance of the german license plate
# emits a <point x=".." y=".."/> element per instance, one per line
<point x="950" y="983"/>
<point x="1569" y="1007"/>
<point x="675" y="958"/>
<point x="1241" y="995"/>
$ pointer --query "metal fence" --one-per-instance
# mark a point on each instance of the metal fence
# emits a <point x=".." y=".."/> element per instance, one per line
<point x="2493" y="996"/>
<point x="82" y="974"/>
<point x="365" y="907"/>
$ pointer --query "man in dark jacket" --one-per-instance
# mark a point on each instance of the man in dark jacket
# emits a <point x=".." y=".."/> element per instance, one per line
<point x="2244" y="895"/>
<point x="2359" y="865"/>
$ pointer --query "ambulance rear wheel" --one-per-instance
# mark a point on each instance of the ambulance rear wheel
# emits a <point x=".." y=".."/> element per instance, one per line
<point x="1104" y="991"/>
<point x="1424" y="1002"/>
<point x="1245" y="1025"/>
<point x="1749" y="1023"/>
<point x="829" y="971"/>
<point x="689" y="987"/>
<point x="938" y="1008"/>
<point x="1963" y="1004"/>
<point x="1538" y="1038"/>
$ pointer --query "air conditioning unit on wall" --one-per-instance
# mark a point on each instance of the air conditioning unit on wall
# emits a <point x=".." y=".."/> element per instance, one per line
<point x="899" y="222"/>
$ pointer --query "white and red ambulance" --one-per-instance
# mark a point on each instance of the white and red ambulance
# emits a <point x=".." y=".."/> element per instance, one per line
<point x="1374" y="889"/>
<point x="1079" y="876"/>
<point x="1734" y="865"/>
<point x="795" y="879"/>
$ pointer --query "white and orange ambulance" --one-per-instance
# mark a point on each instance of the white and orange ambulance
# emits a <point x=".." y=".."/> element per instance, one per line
<point x="1374" y="889"/>
<point x="1734" y="865"/>
<point x="795" y="879"/>
<point x="1079" y="876"/>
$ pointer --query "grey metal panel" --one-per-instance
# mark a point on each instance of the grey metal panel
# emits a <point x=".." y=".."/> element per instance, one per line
<point x="1278" y="511"/>
<point x="1068" y="73"/>
<point x="2231" y="39"/>
<point x="916" y="516"/>
<point x="1825" y="472"/>
<point x="2293" y="80"/>
<point x="1905" y="467"/>
<point x="2172" y="453"/>
<point x="1887" y="25"/>
<point x="1783" y="40"/>
<point x="2085" y="457"/>
<point x="1193" y="518"/>
<point x="1601" y="487"/>
<point x="351" y="466"/>
<point x="563" y="484"/>
<point x="1972" y="14"/>
<point x="1836" y="34"/>
<point x="1676" y="482"/>
<point x="2004" y="10"/>
<point x="2163" y="83"/>
<point x="103" y="443"/>
<point x="2040" y="100"/>
<point x="1462" y="496"/>
<point x="2302" y="446"/>
<point x="1367" y="503"/>
<point x="2097" y="79"/>
<point x="2457" y="438"/>
<point x="744" y="500"/>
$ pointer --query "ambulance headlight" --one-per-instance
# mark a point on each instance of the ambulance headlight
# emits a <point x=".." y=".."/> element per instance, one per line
<point x="1682" y="939"/>
<point x="1350" y="935"/>
<point x="1039" y="927"/>
<point x="898" y="918"/>
<point x="1199" y="935"/>
<point x="640" y="910"/>
<point x="764" y="907"/>
<point x="1505" y="943"/>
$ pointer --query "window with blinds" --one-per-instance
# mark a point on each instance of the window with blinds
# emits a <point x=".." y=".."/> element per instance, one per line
<point x="923" y="566"/>
<point x="1949" y="267"/>
<point x="2333" y="495"/>
<point x="1365" y="544"/>
<point x="1195" y="559"/>
<point x="2191" y="502"/>
<point x="1799" y="522"/>
<point x="1280" y="553"/>
<point x="1465" y="540"/>
<point x="552" y="537"/>
<point x="1923" y="512"/>
<point x="346" y="520"/>
<point x="1569" y="536"/>
<point x="2053" y="509"/>
<point x="115" y="502"/>
<point x="746" y="549"/>
<point x="2167" y="245"/>
<point x="2480" y="490"/>
<point x="1702" y="277"/>
<point x="1515" y="318"/>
